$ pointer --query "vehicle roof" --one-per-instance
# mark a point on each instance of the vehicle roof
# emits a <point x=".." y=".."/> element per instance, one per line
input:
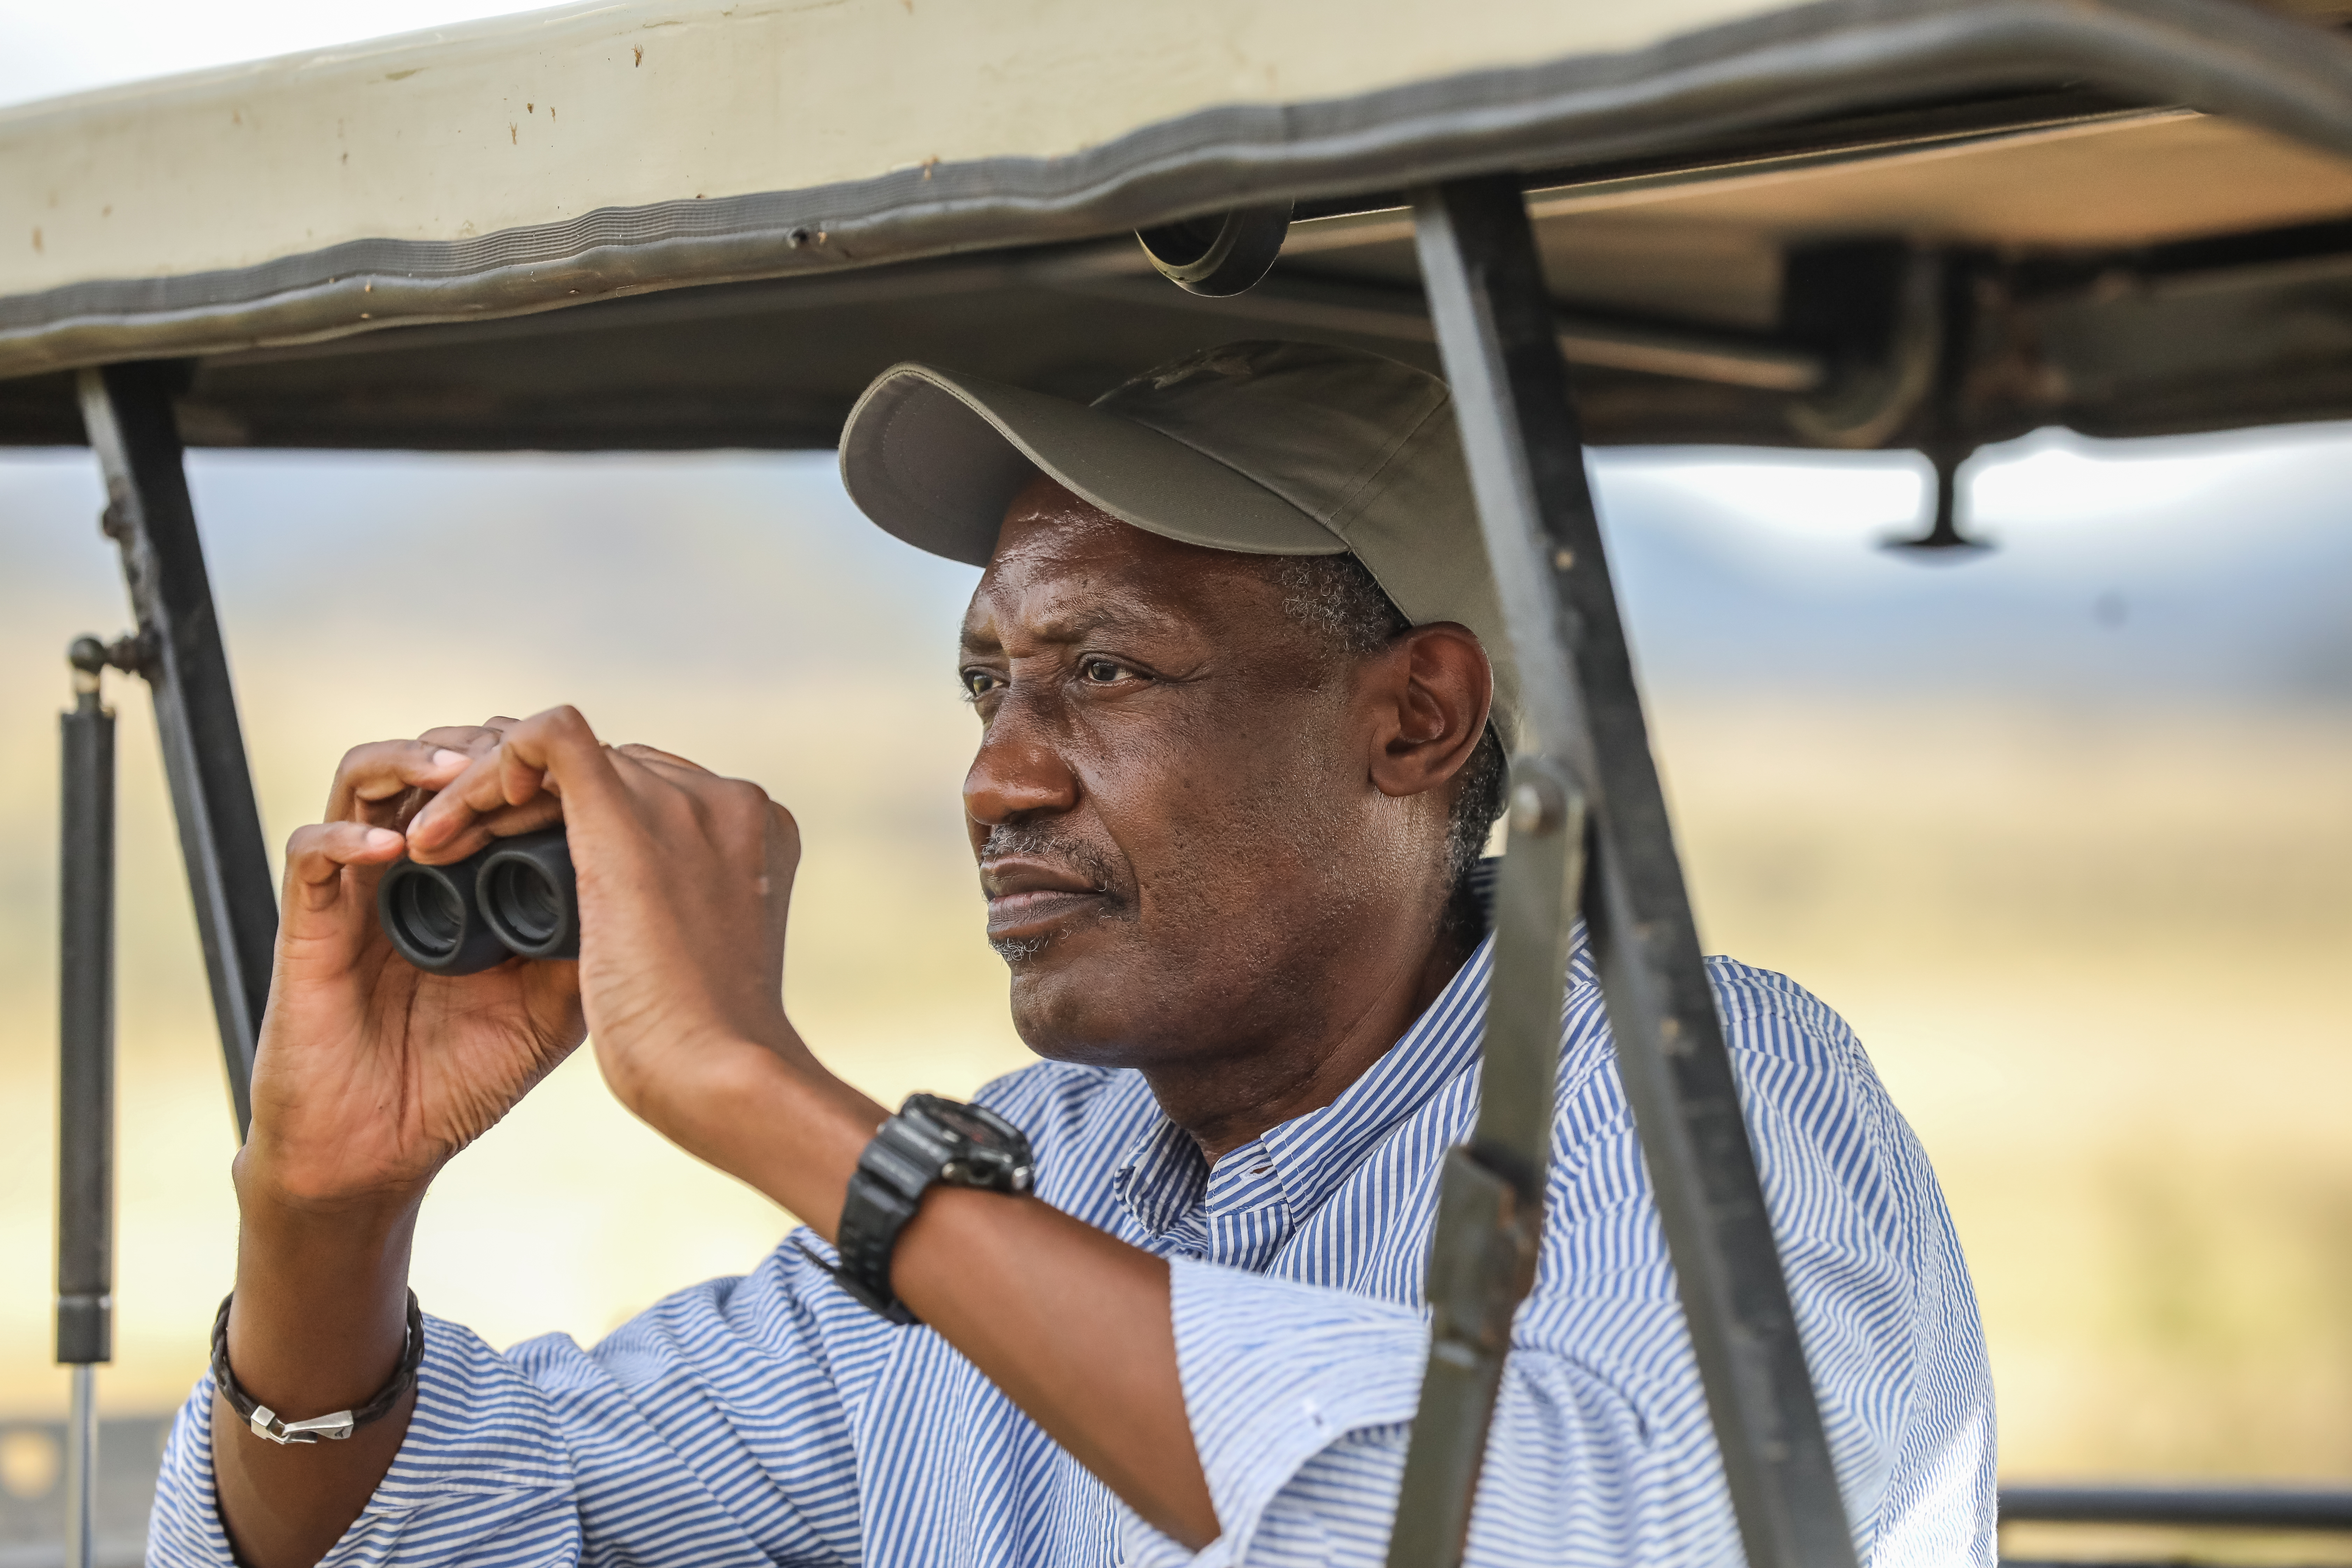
<point x="654" y="223"/>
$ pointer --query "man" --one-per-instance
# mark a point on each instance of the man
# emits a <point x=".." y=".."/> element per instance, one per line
<point x="1240" y="745"/>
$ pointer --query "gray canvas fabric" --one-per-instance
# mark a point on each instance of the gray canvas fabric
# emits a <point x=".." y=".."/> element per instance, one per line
<point x="1265" y="448"/>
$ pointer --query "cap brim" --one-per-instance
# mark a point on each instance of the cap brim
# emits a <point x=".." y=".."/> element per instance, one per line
<point x="935" y="458"/>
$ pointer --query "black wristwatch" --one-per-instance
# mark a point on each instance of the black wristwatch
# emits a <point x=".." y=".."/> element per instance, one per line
<point x="930" y="1140"/>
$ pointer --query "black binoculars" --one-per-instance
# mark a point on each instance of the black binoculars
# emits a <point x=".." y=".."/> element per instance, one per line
<point x="517" y="899"/>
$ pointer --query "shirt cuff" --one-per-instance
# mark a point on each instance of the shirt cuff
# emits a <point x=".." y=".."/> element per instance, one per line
<point x="1274" y="1373"/>
<point x="481" y="1462"/>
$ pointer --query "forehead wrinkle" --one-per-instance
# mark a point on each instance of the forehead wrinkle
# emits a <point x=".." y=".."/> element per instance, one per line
<point x="1055" y="622"/>
<point x="1076" y="625"/>
<point x="1065" y="571"/>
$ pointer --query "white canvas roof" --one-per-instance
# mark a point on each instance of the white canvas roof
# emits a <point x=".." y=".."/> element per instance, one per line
<point x="531" y="142"/>
<point x="1680" y="150"/>
<point x="537" y="119"/>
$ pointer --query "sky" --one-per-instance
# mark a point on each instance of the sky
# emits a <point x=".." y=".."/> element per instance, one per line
<point x="51" y="49"/>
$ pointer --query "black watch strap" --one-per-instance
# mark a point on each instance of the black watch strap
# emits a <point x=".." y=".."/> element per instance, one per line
<point x="872" y="1215"/>
<point x="909" y="1153"/>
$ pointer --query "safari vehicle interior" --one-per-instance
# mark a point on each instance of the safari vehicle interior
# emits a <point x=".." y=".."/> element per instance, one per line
<point x="1912" y="225"/>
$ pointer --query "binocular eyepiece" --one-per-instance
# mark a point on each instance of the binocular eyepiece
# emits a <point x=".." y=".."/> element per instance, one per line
<point x="516" y="899"/>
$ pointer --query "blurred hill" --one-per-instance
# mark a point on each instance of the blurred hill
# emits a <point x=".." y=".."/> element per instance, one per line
<point x="2062" y="828"/>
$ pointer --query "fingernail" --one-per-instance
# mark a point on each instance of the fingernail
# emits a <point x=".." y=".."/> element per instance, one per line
<point x="445" y="757"/>
<point x="381" y="839"/>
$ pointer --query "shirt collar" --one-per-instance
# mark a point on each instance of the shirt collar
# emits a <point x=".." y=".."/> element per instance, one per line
<point x="1161" y="1177"/>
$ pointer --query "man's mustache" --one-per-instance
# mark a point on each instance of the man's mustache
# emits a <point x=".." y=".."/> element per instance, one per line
<point x="1043" y="841"/>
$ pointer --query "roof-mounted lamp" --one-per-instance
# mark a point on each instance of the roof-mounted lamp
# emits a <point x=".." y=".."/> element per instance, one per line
<point x="1218" y="254"/>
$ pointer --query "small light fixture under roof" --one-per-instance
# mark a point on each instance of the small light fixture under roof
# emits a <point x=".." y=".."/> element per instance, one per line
<point x="1218" y="254"/>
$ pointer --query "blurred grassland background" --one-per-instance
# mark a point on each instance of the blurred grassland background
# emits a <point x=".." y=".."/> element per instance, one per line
<point x="2066" y="830"/>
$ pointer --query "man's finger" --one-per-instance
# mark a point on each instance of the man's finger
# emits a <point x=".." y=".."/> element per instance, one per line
<point x="471" y="739"/>
<point x="316" y="856"/>
<point x="385" y="770"/>
<point x="504" y="822"/>
<point x="474" y="740"/>
<point x="551" y="752"/>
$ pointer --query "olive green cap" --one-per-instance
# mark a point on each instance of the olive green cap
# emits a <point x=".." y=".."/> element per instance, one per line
<point x="1264" y="449"/>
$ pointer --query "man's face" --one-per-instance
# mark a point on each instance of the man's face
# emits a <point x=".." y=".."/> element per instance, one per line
<point x="1171" y="804"/>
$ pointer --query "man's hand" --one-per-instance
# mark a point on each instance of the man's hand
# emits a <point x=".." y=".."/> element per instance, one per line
<point x="685" y="880"/>
<point x="371" y="1073"/>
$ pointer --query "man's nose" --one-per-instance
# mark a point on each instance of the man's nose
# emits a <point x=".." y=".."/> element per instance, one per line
<point x="1019" y="772"/>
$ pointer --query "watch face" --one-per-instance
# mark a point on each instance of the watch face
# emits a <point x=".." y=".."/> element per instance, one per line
<point x="957" y="1120"/>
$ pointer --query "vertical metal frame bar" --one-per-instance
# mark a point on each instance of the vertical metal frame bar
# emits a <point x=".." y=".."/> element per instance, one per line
<point x="85" y="1079"/>
<point x="1482" y="1261"/>
<point x="1583" y="721"/>
<point x="127" y="409"/>
<point x="86" y="1030"/>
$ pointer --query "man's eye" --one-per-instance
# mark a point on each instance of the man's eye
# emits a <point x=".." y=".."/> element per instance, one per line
<point x="1101" y="671"/>
<point x="977" y="684"/>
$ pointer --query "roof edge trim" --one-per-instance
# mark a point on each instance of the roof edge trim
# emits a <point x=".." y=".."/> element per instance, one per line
<point x="1825" y="59"/>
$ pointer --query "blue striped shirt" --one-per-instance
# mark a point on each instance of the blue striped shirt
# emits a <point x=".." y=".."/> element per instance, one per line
<point x="769" y="1419"/>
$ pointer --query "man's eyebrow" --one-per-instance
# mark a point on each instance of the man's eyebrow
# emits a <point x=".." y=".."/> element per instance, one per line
<point x="1076" y="625"/>
<point x="1079" y="625"/>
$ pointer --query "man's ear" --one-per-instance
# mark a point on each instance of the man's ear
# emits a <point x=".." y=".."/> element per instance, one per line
<point x="1433" y="690"/>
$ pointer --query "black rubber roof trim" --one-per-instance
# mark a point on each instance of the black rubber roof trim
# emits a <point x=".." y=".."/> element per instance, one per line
<point x="1808" y="63"/>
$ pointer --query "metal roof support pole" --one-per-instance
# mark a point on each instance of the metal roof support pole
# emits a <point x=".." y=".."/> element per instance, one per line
<point x="1586" y="741"/>
<point x="85" y="1079"/>
<point x="127" y="410"/>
